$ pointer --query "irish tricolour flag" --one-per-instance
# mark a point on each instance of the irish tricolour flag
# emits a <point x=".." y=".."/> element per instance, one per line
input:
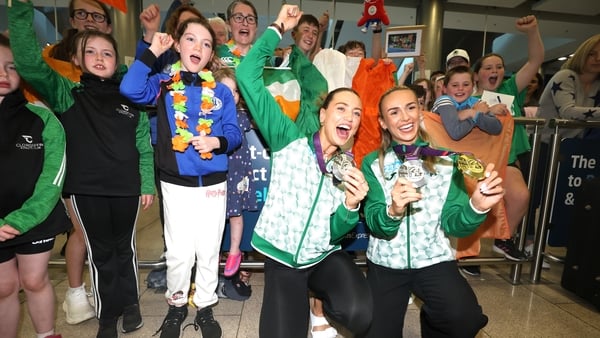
<point x="285" y="88"/>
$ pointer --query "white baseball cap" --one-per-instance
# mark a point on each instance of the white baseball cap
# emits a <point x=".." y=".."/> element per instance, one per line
<point x="458" y="52"/>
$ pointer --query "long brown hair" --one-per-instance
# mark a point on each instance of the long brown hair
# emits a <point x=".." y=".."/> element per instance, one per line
<point x="386" y="136"/>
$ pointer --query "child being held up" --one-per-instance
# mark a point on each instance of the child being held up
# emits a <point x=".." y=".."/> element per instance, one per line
<point x="460" y="112"/>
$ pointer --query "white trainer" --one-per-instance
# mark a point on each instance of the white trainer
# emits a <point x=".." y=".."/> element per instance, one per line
<point x="77" y="306"/>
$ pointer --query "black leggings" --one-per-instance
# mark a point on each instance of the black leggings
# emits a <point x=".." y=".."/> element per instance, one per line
<point x="450" y="308"/>
<point x="336" y="280"/>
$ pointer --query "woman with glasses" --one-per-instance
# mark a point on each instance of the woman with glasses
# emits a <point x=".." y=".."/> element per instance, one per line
<point x="84" y="15"/>
<point x="243" y="22"/>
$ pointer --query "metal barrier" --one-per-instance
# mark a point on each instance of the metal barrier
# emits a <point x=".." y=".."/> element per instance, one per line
<point x="541" y="235"/>
<point x="259" y="265"/>
<point x="541" y="228"/>
<point x="537" y="123"/>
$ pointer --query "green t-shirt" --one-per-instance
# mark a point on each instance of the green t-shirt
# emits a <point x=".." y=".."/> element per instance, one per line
<point x="520" y="140"/>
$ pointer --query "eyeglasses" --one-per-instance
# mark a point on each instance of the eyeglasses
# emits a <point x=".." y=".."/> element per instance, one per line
<point x="82" y="14"/>
<point x="239" y="18"/>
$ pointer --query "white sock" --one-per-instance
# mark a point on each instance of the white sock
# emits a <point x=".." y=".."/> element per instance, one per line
<point x="45" y="334"/>
<point x="72" y="290"/>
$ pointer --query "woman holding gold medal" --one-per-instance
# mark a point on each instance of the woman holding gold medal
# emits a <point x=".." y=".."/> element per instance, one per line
<point x="416" y="199"/>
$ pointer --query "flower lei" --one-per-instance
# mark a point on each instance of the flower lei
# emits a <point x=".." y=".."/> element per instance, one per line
<point x="183" y="135"/>
<point x="237" y="54"/>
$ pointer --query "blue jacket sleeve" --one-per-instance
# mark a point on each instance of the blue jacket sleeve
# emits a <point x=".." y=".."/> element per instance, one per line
<point x="138" y="85"/>
<point x="232" y="135"/>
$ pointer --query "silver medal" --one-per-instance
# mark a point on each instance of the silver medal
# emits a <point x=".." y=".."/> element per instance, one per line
<point x="340" y="164"/>
<point x="413" y="171"/>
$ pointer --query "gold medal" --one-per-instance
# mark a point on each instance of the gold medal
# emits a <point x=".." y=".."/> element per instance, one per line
<point x="471" y="166"/>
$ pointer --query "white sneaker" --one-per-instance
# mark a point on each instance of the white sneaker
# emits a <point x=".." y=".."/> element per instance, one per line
<point x="77" y="306"/>
<point x="529" y="252"/>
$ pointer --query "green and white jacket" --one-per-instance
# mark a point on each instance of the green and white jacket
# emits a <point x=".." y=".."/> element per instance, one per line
<point x="304" y="217"/>
<point x="419" y="238"/>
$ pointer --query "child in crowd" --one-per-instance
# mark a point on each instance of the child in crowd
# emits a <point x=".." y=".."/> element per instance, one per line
<point x="83" y="15"/>
<point x="313" y="84"/>
<point x="302" y="243"/>
<point x="438" y="85"/>
<point x="31" y="214"/>
<point x="460" y="112"/>
<point x="409" y="249"/>
<point x="490" y="76"/>
<point x="456" y="58"/>
<point x="429" y="92"/>
<point x="420" y="92"/>
<point x="150" y="18"/>
<point x="306" y="34"/>
<point x="109" y="161"/>
<point x="240" y="190"/>
<point x="197" y="127"/>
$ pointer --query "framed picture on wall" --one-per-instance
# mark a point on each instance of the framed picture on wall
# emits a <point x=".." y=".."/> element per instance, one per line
<point x="403" y="41"/>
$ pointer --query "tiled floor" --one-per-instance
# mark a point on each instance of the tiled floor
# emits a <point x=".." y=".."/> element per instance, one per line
<point x="524" y="310"/>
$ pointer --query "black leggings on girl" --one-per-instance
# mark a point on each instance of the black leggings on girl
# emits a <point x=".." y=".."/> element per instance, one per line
<point x="336" y="280"/>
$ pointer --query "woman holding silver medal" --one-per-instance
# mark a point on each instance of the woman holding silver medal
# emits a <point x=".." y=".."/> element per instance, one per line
<point x="306" y="215"/>
<point x="416" y="199"/>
